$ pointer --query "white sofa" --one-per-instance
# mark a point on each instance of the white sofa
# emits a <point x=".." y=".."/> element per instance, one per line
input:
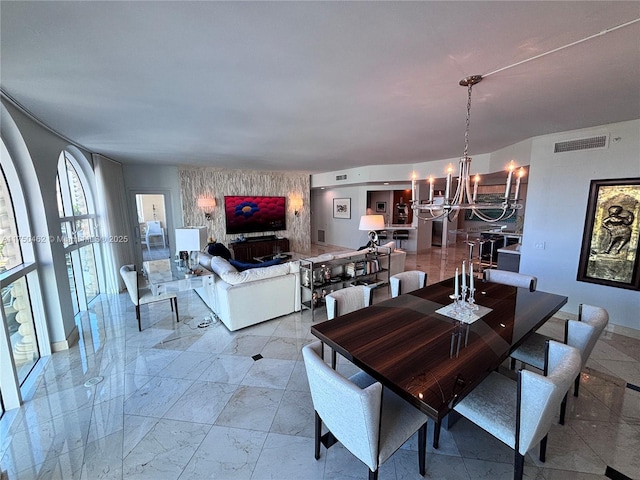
<point x="241" y="299"/>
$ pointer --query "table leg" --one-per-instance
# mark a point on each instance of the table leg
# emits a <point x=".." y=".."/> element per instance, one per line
<point x="436" y="433"/>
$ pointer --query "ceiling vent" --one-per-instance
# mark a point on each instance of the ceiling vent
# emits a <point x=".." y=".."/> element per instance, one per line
<point x="581" y="144"/>
<point x="341" y="177"/>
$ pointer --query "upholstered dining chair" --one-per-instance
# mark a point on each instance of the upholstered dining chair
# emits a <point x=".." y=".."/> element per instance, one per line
<point x="406" y="282"/>
<point x="346" y="301"/>
<point x="520" y="413"/>
<point x="514" y="279"/>
<point x="370" y="421"/>
<point x="582" y="334"/>
<point x="144" y="296"/>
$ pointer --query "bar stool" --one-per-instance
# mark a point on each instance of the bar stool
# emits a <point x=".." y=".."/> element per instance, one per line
<point x="471" y="244"/>
<point x="481" y="241"/>
<point x="382" y="234"/>
<point x="493" y="246"/>
<point x="400" y="235"/>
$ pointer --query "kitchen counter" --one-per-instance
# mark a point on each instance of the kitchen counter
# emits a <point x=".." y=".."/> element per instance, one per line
<point x="509" y="258"/>
<point x="511" y="249"/>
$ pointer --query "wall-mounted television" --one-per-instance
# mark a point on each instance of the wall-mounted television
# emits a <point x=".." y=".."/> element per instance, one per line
<point x="252" y="213"/>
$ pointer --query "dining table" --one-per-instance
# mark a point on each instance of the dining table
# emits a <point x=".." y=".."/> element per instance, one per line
<point x="431" y="354"/>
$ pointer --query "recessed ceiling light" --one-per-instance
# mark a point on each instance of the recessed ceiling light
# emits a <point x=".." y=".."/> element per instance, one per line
<point x="386" y="183"/>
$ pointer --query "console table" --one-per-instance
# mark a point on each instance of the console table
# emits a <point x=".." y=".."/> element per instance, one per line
<point x="249" y="249"/>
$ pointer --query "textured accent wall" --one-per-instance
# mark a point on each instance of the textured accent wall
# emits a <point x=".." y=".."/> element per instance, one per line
<point x="218" y="182"/>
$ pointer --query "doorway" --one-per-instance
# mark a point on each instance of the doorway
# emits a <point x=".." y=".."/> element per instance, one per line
<point x="152" y="226"/>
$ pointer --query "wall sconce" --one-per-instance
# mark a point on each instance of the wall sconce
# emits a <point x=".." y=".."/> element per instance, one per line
<point x="295" y="203"/>
<point x="206" y="204"/>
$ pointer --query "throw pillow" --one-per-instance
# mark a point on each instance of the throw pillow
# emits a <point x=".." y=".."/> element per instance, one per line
<point x="391" y="245"/>
<point x="216" y="249"/>
<point x="254" y="274"/>
<point x="220" y="266"/>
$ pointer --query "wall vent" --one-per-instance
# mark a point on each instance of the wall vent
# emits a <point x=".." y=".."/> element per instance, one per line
<point x="320" y="236"/>
<point x="341" y="177"/>
<point x="581" y="144"/>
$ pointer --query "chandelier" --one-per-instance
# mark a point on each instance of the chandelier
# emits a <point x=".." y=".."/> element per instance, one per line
<point x="464" y="198"/>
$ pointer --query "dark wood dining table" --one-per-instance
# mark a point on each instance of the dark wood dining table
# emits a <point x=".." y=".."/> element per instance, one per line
<point x="433" y="360"/>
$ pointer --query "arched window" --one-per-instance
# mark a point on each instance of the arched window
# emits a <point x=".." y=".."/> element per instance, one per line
<point x="22" y="312"/>
<point x="78" y="225"/>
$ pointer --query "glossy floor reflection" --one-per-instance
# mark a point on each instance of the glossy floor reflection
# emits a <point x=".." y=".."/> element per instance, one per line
<point x="181" y="402"/>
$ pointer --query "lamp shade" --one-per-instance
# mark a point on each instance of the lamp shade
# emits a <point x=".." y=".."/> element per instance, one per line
<point x="371" y="222"/>
<point x="191" y="239"/>
<point x="206" y="203"/>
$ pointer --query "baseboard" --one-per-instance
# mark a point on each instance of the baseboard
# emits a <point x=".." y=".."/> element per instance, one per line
<point x="71" y="340"/>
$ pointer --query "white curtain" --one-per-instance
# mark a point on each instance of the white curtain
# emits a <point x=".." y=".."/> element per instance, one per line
<point x="117" y="244"/>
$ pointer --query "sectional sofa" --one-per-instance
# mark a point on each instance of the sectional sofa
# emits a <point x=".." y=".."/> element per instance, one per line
<point x="244" y="298"/>
<point x="241" y="299"/>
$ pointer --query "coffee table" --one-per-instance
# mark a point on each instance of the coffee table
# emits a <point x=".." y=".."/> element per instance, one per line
<point x="284" y="256"/>
<point x="167" y="276"/>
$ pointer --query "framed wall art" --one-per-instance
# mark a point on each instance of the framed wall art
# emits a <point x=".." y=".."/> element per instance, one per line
<point x="341" y="208"/>
<point x="381" y="207"/>
<point x="610" y="253"/>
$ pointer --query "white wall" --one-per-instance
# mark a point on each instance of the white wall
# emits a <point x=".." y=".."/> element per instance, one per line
<point x="339" y="231"/>
<point x="556" y="209"/>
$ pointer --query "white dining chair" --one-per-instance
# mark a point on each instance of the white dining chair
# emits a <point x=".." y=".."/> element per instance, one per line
<point x="154" y="230"/>
<point x="370" y="421"/>
<point x="520" y="413"/>
<point x="582" y="334"/>
<point x="514" y="279"/>
<point x="406" y="282"/>
<point x="346" y="301"/>
<point x="144" y="296"/>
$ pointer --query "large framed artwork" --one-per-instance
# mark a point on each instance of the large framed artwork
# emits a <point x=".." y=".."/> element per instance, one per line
<point x="610" y="253"/>
<point x="341" y="208"/>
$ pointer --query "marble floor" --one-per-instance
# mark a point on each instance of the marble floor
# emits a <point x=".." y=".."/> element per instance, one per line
<point x="180" y="402"/>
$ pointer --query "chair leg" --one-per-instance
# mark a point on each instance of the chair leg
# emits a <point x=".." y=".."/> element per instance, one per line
<point x="543" y="448"/>
<point x="138" y="317"/>
<point x="513" y="364"/>
<point x="563" y="409"/>
<point x="422" y="448"/>
<point x="334" y="359"/>
<point x="518" y="467"/>
<point x="576" y="386"/>
<point x="176" y="306"/>
<point x="318" y="423"/>
<point x="373" y="475"/>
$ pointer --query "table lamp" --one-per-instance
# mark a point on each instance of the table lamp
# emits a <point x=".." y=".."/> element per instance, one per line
<point x="372" y="223"/>
<point x="189" y="240"/>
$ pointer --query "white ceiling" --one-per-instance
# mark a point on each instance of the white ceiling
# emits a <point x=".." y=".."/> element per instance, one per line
<point x="315" y="86"/>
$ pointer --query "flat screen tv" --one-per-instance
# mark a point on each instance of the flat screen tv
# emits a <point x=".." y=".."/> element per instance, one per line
<point x="251" y="213"/>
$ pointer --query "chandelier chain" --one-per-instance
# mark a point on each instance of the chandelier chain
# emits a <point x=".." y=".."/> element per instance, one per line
<point x="468" y="124"/>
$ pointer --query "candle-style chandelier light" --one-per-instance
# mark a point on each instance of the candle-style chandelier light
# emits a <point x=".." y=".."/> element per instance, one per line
<point x="464" y="197"/>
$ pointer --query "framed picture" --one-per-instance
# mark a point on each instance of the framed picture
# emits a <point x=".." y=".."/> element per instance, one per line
<point x="341" y="208"/>
<point x="381" y="207"/>
<point x="610" y="243"/>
